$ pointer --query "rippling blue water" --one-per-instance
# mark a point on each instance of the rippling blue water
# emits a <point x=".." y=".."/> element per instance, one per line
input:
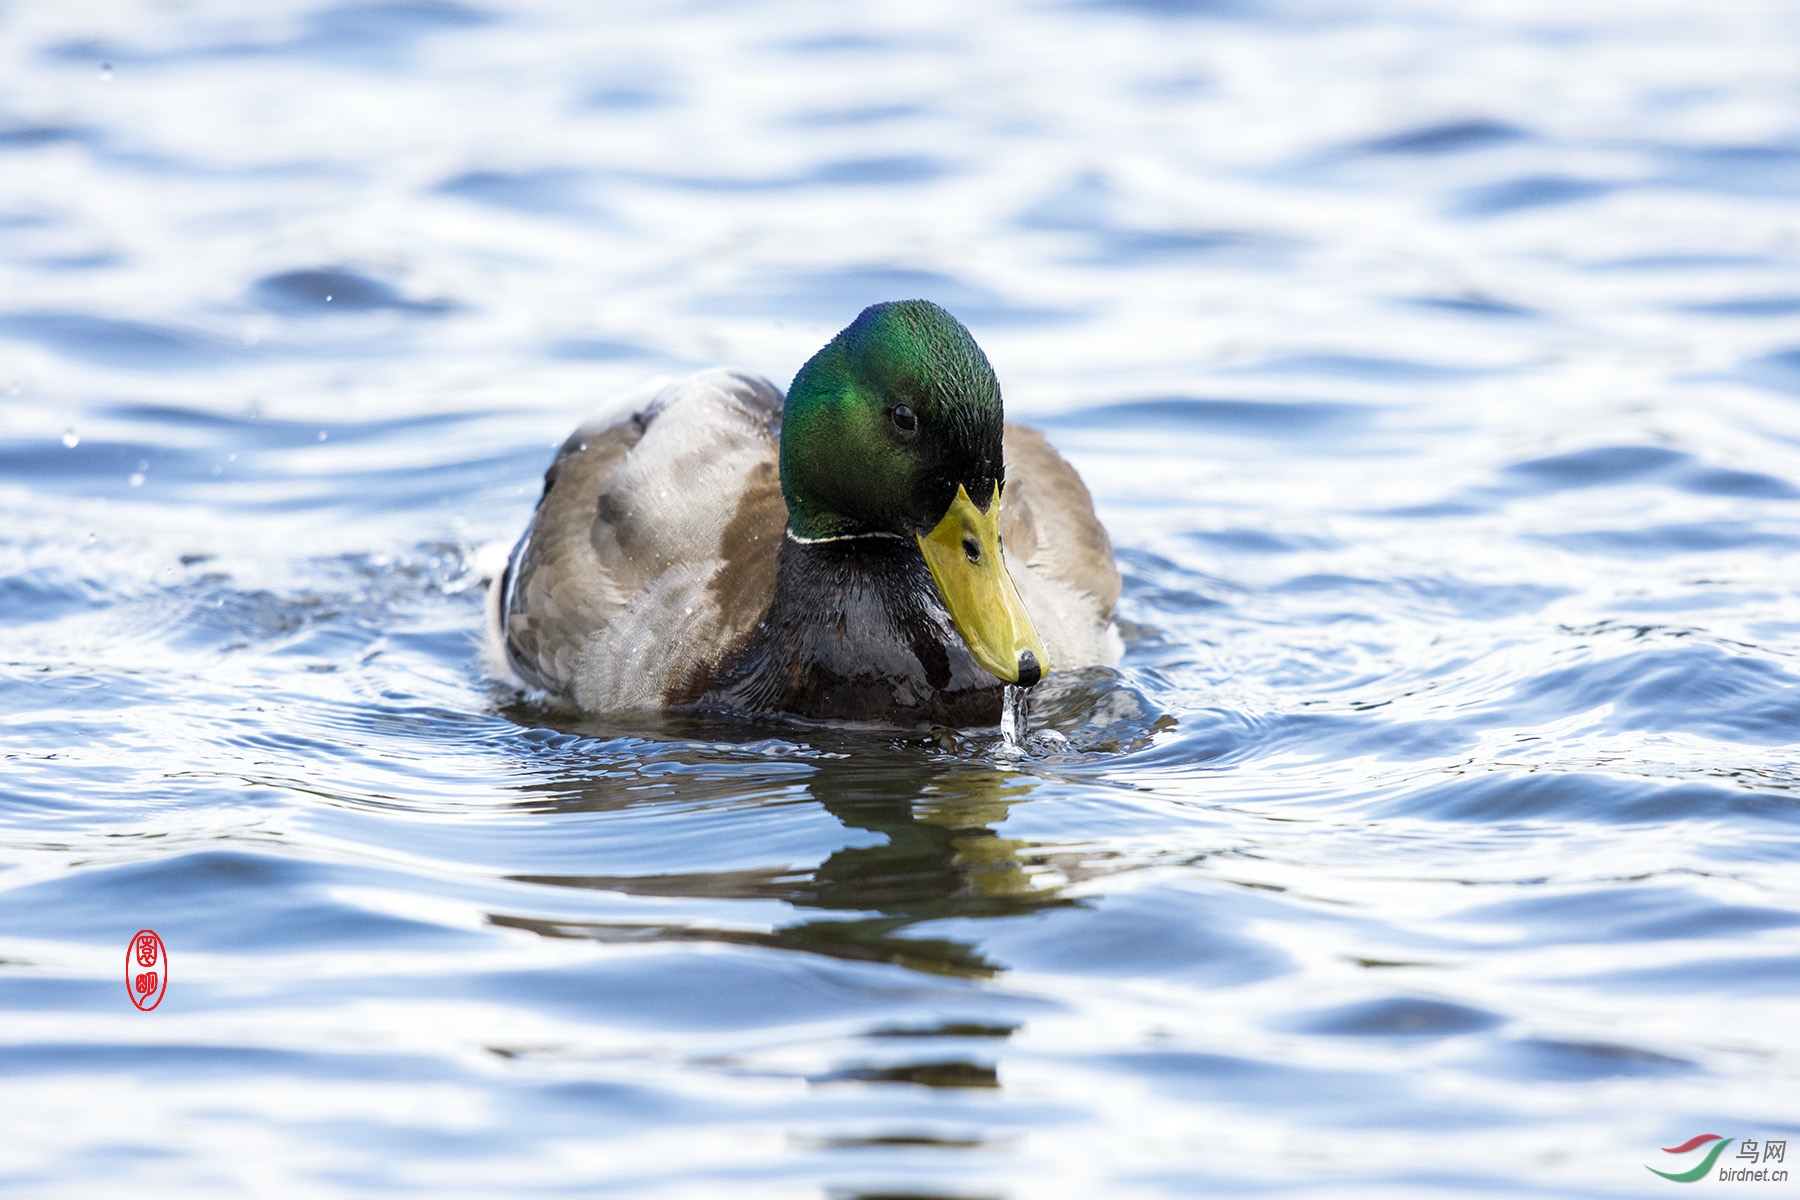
<point x="1435" y="369"/>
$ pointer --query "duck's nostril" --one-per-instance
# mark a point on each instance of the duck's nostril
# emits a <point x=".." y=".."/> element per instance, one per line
<point x="1029" y="671"/>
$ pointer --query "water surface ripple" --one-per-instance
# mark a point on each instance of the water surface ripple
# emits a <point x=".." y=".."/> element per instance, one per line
<point x="1435" y="370"/>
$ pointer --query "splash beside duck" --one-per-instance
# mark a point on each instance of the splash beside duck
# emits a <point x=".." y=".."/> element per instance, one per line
<point x="881" y="548"/>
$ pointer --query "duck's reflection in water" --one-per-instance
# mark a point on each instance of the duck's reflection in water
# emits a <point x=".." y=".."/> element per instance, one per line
<point x="940" y="858"/>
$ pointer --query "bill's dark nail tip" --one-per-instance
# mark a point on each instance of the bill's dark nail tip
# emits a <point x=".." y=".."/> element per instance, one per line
<point x="1029" y="671"/>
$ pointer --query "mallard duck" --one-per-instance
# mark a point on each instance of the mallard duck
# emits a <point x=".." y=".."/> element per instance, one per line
<point x="882" y="548"/>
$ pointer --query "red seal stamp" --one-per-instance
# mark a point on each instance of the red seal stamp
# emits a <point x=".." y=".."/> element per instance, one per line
<point x="146" y="969"/>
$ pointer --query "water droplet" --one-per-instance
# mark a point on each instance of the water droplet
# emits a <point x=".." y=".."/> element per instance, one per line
<point x="71" y="439"/>
<point x="137" y="480"/>
<point x="322" y="435"/>
<point x="106" y="72"/>
<point x="1012" y="720"/>
<point x="328" y="299"/>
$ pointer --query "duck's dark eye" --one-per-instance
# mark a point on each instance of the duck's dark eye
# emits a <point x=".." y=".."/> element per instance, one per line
<point x="972" y="549"/>
<point x="904" y="419"/>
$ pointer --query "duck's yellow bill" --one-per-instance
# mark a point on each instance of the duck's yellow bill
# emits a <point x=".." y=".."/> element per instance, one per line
<point x="964" y="555"/>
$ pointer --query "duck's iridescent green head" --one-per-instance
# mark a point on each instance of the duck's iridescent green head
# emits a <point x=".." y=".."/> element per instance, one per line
<point x="896" y="429"/>
<point x="885" y="423"/>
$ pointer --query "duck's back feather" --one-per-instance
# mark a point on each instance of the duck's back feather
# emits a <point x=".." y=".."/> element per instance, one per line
<point x="1047" y="525"/>
<point x="654" y="548"/>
